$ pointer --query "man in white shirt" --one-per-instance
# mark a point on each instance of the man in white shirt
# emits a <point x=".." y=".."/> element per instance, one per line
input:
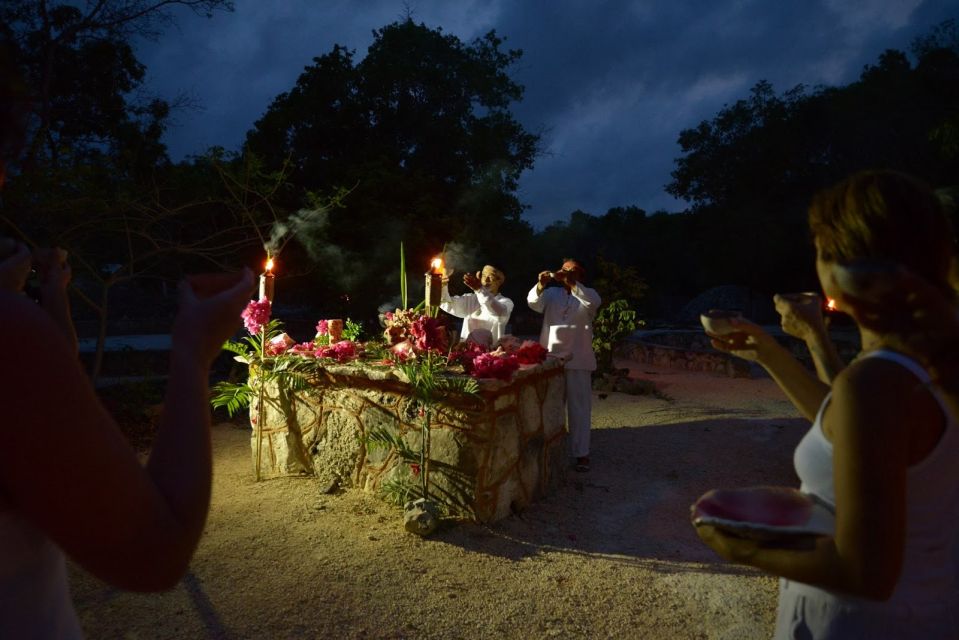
<point x="486" y="311"/>
<point x="567" y="332"/>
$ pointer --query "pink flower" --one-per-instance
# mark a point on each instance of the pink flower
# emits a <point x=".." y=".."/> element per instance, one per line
<point x="464" y="352"/>
<point x="279" y="344"/>
<point x="429" y="334"/>
<point x="305" y="349"/>
<point x="322" y="328"/>
<point x="488" y="365"/>
<point x="342" y="351"/>
<point x="256" y="314"/>
<point x="415" y="468"/>
<point x="402" y="351"/>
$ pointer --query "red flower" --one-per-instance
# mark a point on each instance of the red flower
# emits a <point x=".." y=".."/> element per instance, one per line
<point x="415" y="468"/>
<point x="530" y="352"/>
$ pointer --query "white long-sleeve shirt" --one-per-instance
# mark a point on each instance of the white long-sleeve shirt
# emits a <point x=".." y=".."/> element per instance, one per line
<point x="567" y="323"/>
<point x="479" y="310"/>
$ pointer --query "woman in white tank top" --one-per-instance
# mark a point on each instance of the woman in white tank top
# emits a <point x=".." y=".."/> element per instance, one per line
<point x="884" y="445"/>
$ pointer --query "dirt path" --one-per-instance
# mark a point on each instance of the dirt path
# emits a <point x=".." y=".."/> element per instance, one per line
<point x="611" y="555"/>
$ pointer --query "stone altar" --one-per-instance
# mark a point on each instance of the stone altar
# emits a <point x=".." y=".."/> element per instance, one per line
<point x="488" y="457"/>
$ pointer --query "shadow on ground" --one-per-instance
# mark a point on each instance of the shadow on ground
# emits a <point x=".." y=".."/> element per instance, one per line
<point x="633" y="506"/>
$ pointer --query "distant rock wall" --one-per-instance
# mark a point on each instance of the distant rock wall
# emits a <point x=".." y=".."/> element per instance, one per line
<point x="692" y="356"/>
<point x="489" y="458"/>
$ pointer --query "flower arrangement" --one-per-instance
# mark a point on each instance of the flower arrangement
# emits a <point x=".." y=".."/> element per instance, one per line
<point x="479" y="362"/>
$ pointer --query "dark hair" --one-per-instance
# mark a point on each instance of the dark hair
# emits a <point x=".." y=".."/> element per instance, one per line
<point x="885" y="215"/>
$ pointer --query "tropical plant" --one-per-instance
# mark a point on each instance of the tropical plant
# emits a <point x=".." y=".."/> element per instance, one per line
<point x="430" y="384"/>
<point x="614" y="322"/>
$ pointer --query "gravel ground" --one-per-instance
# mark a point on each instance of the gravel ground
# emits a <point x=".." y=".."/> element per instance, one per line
<point x="610" y="555"/>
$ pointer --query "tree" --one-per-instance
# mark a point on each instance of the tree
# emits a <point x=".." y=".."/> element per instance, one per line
<point x="82" y="71"/>
<point x="421" y="131"/>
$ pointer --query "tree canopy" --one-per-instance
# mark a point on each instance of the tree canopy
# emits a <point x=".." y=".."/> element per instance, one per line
<point x="420" y="131"/>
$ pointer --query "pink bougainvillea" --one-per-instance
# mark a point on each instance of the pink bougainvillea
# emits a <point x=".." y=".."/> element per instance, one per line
<point x="342" y="351"/>
<point x="256" y="315"/>
<point x="306" y="349"/>
<point x="322" y="328"/>
<point x="494" y="365"/>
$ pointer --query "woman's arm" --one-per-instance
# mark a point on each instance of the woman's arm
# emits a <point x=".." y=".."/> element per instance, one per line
<point x="66" y="466"/>
<point x="874" y="405"/>
<point x="751" y="342"/>
<point x="801" y="317"/>
<point x="55" y="275"/>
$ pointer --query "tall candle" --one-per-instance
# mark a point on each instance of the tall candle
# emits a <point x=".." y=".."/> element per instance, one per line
<point x="434" y="283"/>
<point x="267" y="281"/>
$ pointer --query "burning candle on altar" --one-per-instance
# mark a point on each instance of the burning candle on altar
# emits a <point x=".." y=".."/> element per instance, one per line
<point x="831" y="304"/>
<point x="434" y="282"/>
<point x="267" y="280"/>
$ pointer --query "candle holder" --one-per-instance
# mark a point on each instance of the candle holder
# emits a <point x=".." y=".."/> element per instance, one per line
<point x="334" y="328"/>
<point x="434" y="289"/>
<point x="267" y="281"/>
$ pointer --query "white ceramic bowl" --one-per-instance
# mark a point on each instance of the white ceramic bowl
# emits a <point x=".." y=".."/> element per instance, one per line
<point x="717" y="321"/>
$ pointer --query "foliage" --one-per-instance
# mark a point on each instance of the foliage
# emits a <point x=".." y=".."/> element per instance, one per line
<point x="614" y="322"/>
<point x="430" y="384"/>
<point x="422" y="126"/>
<point x="352" y="331"/>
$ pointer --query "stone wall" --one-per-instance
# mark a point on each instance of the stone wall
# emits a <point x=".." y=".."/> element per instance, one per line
<point x="489" y="456"/>
<point x="686" y="358"/>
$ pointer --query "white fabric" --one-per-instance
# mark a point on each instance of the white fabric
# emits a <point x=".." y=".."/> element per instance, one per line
<point x="579" y="406"/>
<point x="480" y="310"/>
<point x="567" y="323"/>
<point x="34" y="595"/>
<point x="925" y="603"/>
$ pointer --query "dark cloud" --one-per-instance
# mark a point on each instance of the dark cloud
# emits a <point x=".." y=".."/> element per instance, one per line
<point x="609" y="84"/>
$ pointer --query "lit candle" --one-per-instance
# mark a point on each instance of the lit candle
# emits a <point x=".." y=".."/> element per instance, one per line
<point x="831" y="304"/>
<point x="267" y="280"/>
<point x="434" y="282"/>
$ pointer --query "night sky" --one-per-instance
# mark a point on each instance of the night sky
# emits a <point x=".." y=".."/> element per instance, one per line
<point x="609" y="84"/>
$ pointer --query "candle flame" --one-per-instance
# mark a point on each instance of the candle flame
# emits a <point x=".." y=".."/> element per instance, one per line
<point x="831" y="304"/>
<point x="269" y="265"/>
<point x="436" y="266"/>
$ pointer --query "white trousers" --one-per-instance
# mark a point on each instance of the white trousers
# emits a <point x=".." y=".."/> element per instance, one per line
<point x="579" y="406"/>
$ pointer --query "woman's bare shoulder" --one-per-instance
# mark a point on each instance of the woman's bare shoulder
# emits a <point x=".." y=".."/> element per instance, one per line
<point x="885" y="392"/>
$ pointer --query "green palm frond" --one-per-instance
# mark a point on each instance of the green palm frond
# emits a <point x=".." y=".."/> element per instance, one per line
<point x="233" y="396"/>
<point x="383" y="438"/>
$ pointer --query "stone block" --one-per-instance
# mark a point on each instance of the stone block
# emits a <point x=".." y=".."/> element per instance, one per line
<point x="504" y="453"/>
<point x="487" y="457"/>
<point x="530" y="413"/>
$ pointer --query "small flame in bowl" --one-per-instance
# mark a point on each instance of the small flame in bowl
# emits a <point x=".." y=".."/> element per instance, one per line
<point x="831" y="304"/>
